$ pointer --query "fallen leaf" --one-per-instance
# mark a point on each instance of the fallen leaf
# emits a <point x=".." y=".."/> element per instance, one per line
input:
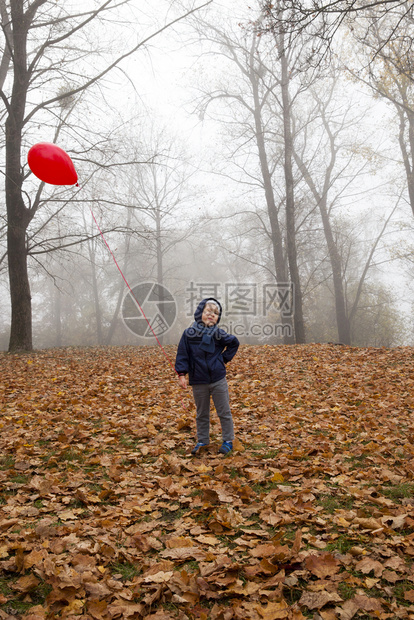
<point x="322" y="565"/>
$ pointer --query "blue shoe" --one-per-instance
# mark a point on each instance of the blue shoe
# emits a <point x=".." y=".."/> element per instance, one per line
<point x="198" y="445"/>
<point x="226" y="447"/>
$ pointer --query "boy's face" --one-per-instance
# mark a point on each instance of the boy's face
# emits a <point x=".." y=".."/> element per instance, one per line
<point x="210" y="315"/>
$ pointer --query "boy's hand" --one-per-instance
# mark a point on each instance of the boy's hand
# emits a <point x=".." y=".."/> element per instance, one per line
<point x="182" y="380"/>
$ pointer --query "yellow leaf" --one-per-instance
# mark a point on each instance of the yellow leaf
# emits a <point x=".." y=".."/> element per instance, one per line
<point x="160" y="577"/>
<point x="204" y="468"/>
<point x="75" y="607"/>
<point x="238" y="446"/>
<point x="370" y="582"/>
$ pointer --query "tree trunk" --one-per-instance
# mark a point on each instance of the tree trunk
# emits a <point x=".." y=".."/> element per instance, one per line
<point x="21" y="300"/>
<point x="96" y="300"/>
<point x="290" y="200"/>
<point x="121" y="292"/>
<point x="405" y="117"/>
<point x="277" y="239"/>
<point x="342" y="320"/>
<point x="159" y="251"/>
<point x="58" y="316"/>
<point x="18" y="216"/>
<point x="115" y="315"/>
<point x="8" y="35"/>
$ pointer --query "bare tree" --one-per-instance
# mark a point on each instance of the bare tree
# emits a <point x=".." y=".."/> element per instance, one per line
<point x="322" y="167"/>
<point x="288" y="64"/>
<point x="322" y="19"/>
<point x="43" y="44"/>
<point x="258" y="85"/>
<point x="386" y="67"/>
<point x="160" y="195"/>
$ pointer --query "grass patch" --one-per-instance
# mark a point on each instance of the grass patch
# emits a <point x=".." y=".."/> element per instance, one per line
<point x="43" y="443"/>
<point x="40" y="593"/>
<point x="4" y="587"/>
<point x="15" y="605"/>
<point x="293" y="594"/>
<point x="173" y="515"/>
<point x="331" y="503"/>
<point x="93" y="486"/>
<point x="19" y="479"/>
<point x="360" y="458"/>
<point x="6" y="462"/>
<point x="257" y="446"/>
<point x="399" y="491"/>
<point x="226" y="541"/>
<point x="72" y="456"/>
<point x="192" y="566"/>
<point x="346" y="591"/>
<point x="342" y="544"/>
<point x="128" y="441"/>
<point x="400" y="589"/>
<point x="265" y="487"/>
<point x="234" y="473"/>
<point x="126" y="569"/>
<point x="271" y="454"/>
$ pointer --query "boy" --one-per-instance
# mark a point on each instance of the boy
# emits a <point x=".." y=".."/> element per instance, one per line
<point x="202" y="352"/>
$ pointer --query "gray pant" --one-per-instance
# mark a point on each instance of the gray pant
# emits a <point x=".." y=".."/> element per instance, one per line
<point x="220" y="393"/>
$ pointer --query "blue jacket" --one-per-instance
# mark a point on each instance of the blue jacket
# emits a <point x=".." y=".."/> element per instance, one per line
<point x="201" y="365"/>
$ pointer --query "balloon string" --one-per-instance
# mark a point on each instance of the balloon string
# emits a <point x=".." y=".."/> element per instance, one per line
<point x="132" y="293"/>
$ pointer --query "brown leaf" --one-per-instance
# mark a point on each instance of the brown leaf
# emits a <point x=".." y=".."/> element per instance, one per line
<point x="368" y="523"/>
<point x="210" y="496"/>
<point x="316" y="600"/>
<point x="97" y="609"/>
<point x="237" y="445"/>
<point x="26" y="583"/>
<point x="395" y="522"/>
<point x="5" y="524"/>
<point x="124" y="609"/>
<point x="409" y="596"/>
<point x="348" y="610"/>
<point x="160" y="577"/>
<point x="266" y="550"/>
<point x="97" y="590"/>
<point x="322" y="565"/>
<point x="274" y="610"/>
<point x="184" y="553"/>
<point x="35" y="613"/>
<point x="208" y="540"/>
<point x="367" y="564"/>
<point x="367" y="603"/>
<point x="270" y="517"/>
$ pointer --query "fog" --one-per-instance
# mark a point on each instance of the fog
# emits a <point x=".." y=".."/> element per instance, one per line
<point x="183" y="193"/>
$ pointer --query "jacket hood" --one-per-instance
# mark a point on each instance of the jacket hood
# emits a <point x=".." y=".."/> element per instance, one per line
<point x="200" y="308"/>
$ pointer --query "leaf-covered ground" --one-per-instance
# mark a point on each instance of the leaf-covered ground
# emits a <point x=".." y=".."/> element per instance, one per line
<point x="104" y="513"/>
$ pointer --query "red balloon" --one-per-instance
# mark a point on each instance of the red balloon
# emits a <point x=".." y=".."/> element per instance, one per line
<point x="51" y="164"/>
